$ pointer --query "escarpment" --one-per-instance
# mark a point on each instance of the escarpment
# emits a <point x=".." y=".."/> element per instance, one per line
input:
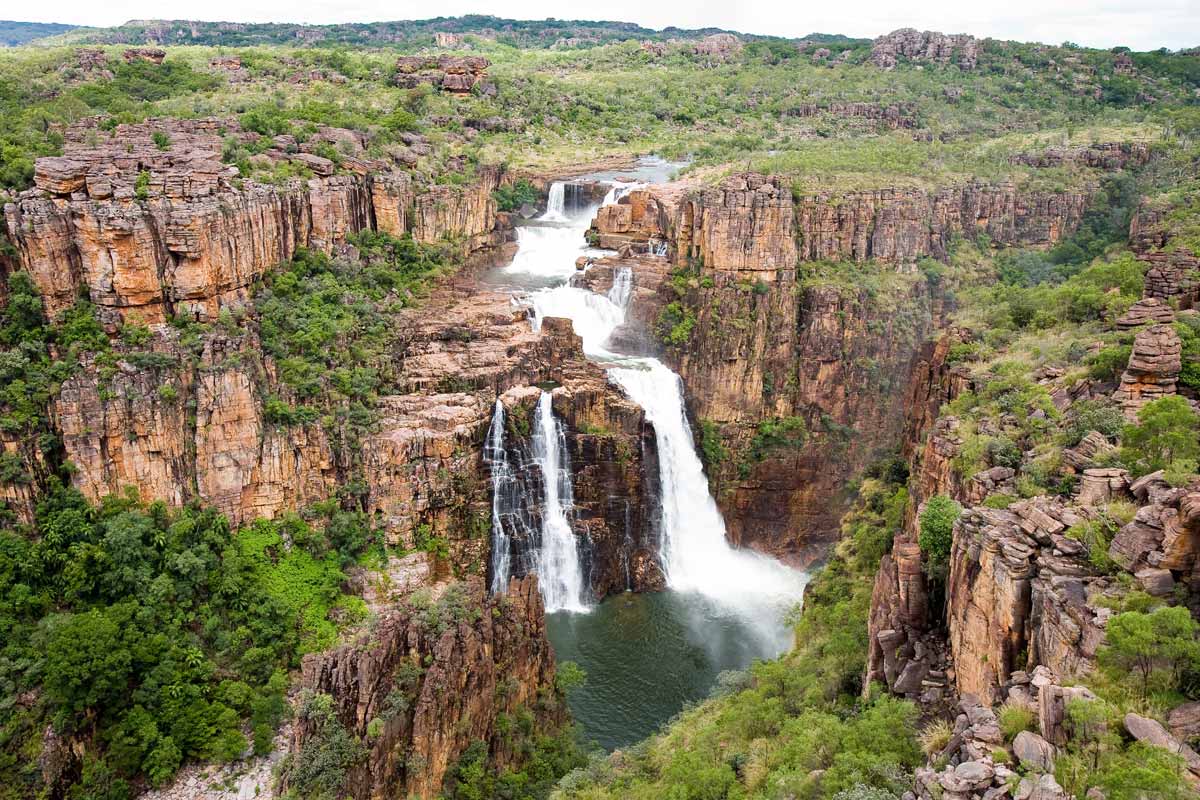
<point x="798" y="379"/>
<point x="439" y="674"/>
<point x="147" y="220"/>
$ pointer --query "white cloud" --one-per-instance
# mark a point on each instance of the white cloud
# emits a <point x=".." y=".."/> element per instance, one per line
<point x="1143" y="25"/>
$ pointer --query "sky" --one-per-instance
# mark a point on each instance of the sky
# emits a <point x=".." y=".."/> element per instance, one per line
<point x="1140" y="24"/>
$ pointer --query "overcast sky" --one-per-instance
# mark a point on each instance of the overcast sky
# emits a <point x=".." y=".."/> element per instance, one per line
<point x="1140" y="24"/>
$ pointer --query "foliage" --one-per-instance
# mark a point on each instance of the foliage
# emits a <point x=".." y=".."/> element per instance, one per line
<point x="512" y="196"/>
<point x="712" y="449"/>
<point x="937" y="533"/>
<point x="675" y="324"/>
<point x="158" y="633"/>
<point x="1165" y="433"/>
<point x="1158" y="647"/>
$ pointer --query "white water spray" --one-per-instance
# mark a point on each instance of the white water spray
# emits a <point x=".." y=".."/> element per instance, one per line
<point x="556" y="203"/>
<point x="621" y="289"/>
<point x="560" y="575"/>
<point x="503" y="484"/>
<point x="696" y="556"/>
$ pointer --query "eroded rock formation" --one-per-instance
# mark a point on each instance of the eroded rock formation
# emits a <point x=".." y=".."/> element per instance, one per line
<point x="153" y="229"/>
<point x="434" y="677"/>
<point x="925" y="46"/>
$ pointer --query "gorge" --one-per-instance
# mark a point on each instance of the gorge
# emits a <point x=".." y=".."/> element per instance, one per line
<point x="477" y="408"/>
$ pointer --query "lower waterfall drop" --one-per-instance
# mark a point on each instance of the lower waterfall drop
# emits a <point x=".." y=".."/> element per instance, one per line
<point x="696" y="556"/>
<point x="504" y="501"/>
<point x="559" y="572"/>
<point x="556" y="203"/>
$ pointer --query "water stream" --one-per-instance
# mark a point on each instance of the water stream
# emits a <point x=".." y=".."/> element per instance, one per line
<point x="645" y="655"/>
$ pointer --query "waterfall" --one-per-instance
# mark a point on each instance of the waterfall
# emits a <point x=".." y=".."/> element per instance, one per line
<point x="695" y="554"/>
<point x="504" y="483"/>
<point x="622" y="288"/>
<point x="519" y="544"/>
<point x="618" y="191"/>
<point x="559" y="572"/>
<point x="593" y="316"/>
<point x="556" y="203"/>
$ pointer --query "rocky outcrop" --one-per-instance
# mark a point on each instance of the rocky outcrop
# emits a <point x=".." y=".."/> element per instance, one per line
<point x="434" y="677"/>
<point x="721" y="46"/>
<point x="1018" y="587"/>
<point x="155" y="232"/>
<point x="1148" y="311"/>
<point x="891" y="116"/>
<point x="452" y="74"/>
<point x="154" y="55"/>
<point x="1153" y="369"/>
<point x="1161" y="545"/>
<point x="1109" y="156"/>
<point x="929" y="47"/>
<point x="886" y="225"/>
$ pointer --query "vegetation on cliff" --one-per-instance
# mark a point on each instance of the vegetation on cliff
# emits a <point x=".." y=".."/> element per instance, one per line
<point x="157" y="636"/>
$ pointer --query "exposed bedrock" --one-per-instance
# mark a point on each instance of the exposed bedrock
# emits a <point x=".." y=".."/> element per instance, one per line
<point x="431" y="680"/>
<point x="152" y="232"/>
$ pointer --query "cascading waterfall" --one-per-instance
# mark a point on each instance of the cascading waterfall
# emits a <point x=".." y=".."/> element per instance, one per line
<point x="513" y="527"/>
<point x="621" y="289"/>
<point x="557" y="564"/>
<point x="504" y="500"/>
<point x="519" y="544"/>
<point x="556" y="203"/>
<point x="695" y="554"/>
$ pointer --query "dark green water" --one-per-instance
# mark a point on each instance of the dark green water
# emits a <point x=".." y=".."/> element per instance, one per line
<point x="646" y="655"/>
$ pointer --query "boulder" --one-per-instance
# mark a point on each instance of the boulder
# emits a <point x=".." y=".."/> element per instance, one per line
<point x="1184" y="720"/>
<point x="1033" y="752"/>
<point x="1152" y="732"/>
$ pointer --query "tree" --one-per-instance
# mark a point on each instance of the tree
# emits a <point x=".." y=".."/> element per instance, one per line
<point x="87" y="663"/>
<point x="937" y="532"/>
<point x="1166" y="432"/>
<point x="1161" y="644"/>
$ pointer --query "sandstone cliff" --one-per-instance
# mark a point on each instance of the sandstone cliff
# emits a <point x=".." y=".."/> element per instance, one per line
<point x="156" y="232"/>
<point x="436" y="676"/>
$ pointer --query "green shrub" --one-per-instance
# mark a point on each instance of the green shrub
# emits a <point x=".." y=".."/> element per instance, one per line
<point x="512" y="196"/>
<point x="1158" y="647"/>
<point x="1166" y="432"/>
<point x="1016" y="717"/>
<point x="937" y="532"/>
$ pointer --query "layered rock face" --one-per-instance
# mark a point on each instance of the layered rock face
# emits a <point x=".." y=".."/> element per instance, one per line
<point x="1153" y="369"/>
<point x="452" y="74"/>
<point x="1017" y="586"/>
<point x="902" y="225"/>
<point x="925" y="46"/>
<point x="763" y="348"/>
<point x="432" y="680"/>
<point x="1172" y="269"/>
<point x="894" y="226"/>
<point x="153" y="232"/>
